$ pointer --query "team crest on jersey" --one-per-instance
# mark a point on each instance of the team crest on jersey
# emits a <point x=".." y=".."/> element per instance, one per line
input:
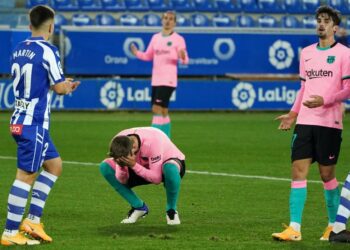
<point x="330" y="59"/>
<point x="169" y="43"/>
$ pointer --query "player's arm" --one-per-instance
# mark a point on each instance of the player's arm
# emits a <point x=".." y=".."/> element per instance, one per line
<point x="145" y="56"/>
<point x="182" y="52"/>
<point x="65" y="87"/>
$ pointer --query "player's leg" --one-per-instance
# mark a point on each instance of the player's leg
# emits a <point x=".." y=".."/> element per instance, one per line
<point x="138" y="207"/>
<point x="339" y="233"/>
<point x="29" y="150"/>
<point x="173" y="170"/>
<point x="52" y="169"/>
<point x="328" y="141"/>
<point x="302" y="157"/>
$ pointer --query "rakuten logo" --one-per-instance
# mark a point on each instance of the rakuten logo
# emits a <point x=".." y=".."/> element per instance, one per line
<point x="311" y="74"/>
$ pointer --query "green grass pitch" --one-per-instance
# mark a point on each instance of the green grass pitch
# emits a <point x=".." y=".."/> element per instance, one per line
<point x="217" y="212"/>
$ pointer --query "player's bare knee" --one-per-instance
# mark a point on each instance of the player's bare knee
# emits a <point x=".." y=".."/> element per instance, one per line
<point x="53" y="166"/>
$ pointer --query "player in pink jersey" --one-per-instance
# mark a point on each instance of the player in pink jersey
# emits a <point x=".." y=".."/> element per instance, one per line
<point x="141" y="156"/>
<point x="166" y="48"/>
<point x="325" y="73"/>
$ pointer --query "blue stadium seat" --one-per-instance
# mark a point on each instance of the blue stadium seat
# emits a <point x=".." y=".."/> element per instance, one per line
<point x="248" y="6"/>
<point x="290" y="21"/>
<point x="105" y="20"/>
<point x="227" y="5"/>
<point x="222" y="20"/>
<point x="309" y="6"/>
<point x="245" y="21"/>
<point x="31" y="3"/>
<point x="200" y="20"/>
<point x="65" y="5"/>
<point x="269" y="6"/>
<point x="129" y="20"/>
<point x="291" y="6"/>
<point x="159" y="5"/>
<point x="182" y="21"/>
<point x="204" y="5"/>
<point x="340" y="5"/>
<point x="113" y="5"/>
<point x="182" y="5"/>
<point x="347" y="23"/>
<point x="137" y="5"/>
<point x="266" y="21"/>
<point x="90" y="5"/>
<point x="152" y="20"/>
<point x="81" y="20"/>
<point x="23" y="20"/>
<point x="309" y="22"/>
<point x="59" y="21"/>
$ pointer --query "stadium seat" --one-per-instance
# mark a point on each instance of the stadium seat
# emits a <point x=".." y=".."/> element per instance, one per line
<point x="65" y="5"/>
<point x="290" y="21"/>
<point x="23" y="20"/>
<point x="291" y="6"/>
<point x="245" y="21"/>
<point x="137" y="5"/>
<point x="341" y="5"/>
<point x="105" y="20"/>
<point x="31" y="3"/>
<point x="182" y="21"/>
<point x="152" y="20"/>
<point x="90" y="5"/>
<point x="266" y="21"/>
<point x="309" y="22"/>
<point x="200" y="20"/>
<point x="182" y="5"/>
<point x="81" y="20"/>
<point x="347" y="23"/>
<point x="113" y="5"/>
<point x="159" y="5"/>
<point x="269" y="6"/>
<point x="204" y="5"/>
<point x="222" y="20"/>
<point x="227" y="5"/>
<point x="59" y="21"/>
<point x="309" y="6"/>
<point x="129" y="20"/>
<point x="248" y="6"/>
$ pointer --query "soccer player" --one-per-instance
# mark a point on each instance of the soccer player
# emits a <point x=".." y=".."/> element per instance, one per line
<point x="325" y="74"/>
<point x="141" y="156"/>
<point x="166" y="48"/>
<point x="35" y="70"/>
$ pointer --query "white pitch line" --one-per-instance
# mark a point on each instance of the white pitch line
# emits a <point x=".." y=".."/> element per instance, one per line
<point x="260" y="177"/>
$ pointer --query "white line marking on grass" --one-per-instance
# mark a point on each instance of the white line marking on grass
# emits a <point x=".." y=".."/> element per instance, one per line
<point x="270" y="178"/>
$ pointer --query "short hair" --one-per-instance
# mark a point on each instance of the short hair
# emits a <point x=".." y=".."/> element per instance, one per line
<point x="333" y="13"/>
<point x="39" y="14"/>
<point x="170" y="12"/>
<point x="120" y="146"/>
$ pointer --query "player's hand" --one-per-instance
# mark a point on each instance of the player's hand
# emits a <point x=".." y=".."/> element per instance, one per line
<point x="182" y="54"/>
<point x="73" y="85"/>
<point x="133" y="49"/>
<point x="315" y="101"/>
<point x="287" y="121"/>
<point x="128" y="161"/>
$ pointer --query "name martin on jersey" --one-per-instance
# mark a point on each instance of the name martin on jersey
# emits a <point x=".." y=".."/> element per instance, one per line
<point x="23" y="52"/>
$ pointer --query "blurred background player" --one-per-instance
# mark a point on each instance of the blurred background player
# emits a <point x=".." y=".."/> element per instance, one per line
<point x="142" y="156"/>
<point x="35" y="70"/>
<point x="324" y="72"/>
<point x="166" y="48"/>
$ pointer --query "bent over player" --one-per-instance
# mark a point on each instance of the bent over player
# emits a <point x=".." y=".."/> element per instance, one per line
<point x="35" y="70"/>
<point x="325" y="83"/>
<point x="141" y="156"/>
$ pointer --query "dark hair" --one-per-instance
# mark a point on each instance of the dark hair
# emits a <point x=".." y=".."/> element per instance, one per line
<point x="333" y="13"/>
<point x="120" y="146"/>
<point x="39" y="14"/>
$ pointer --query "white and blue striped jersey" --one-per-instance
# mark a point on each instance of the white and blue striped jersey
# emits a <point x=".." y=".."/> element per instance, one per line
<point x="35" y="68"/>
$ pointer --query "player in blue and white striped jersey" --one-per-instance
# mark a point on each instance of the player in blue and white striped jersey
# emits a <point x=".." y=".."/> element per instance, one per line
<point x="36" y="71"/>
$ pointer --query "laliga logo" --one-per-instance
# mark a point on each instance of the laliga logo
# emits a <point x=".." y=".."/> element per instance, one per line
<point x="281" y="54"/>
<point x="112" y="95"/>
<point x="137" y="41"/>
<point x="243" y="95"/>
<point x="229" y="51"/>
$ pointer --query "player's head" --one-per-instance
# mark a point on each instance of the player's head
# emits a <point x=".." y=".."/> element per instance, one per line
<point x="328" y="20"/>
<point x="120" y="146"/>
<point x="169" y="20"/>
<point x="42" y="19"/>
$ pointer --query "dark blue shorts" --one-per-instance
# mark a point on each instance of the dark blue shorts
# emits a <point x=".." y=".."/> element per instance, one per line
<point x="34" y="146"/>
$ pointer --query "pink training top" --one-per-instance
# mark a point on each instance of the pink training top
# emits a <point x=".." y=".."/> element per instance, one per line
<point x="155" y="149"/>
<point x="323" y="72"/>
<point x="164" y="50"/>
